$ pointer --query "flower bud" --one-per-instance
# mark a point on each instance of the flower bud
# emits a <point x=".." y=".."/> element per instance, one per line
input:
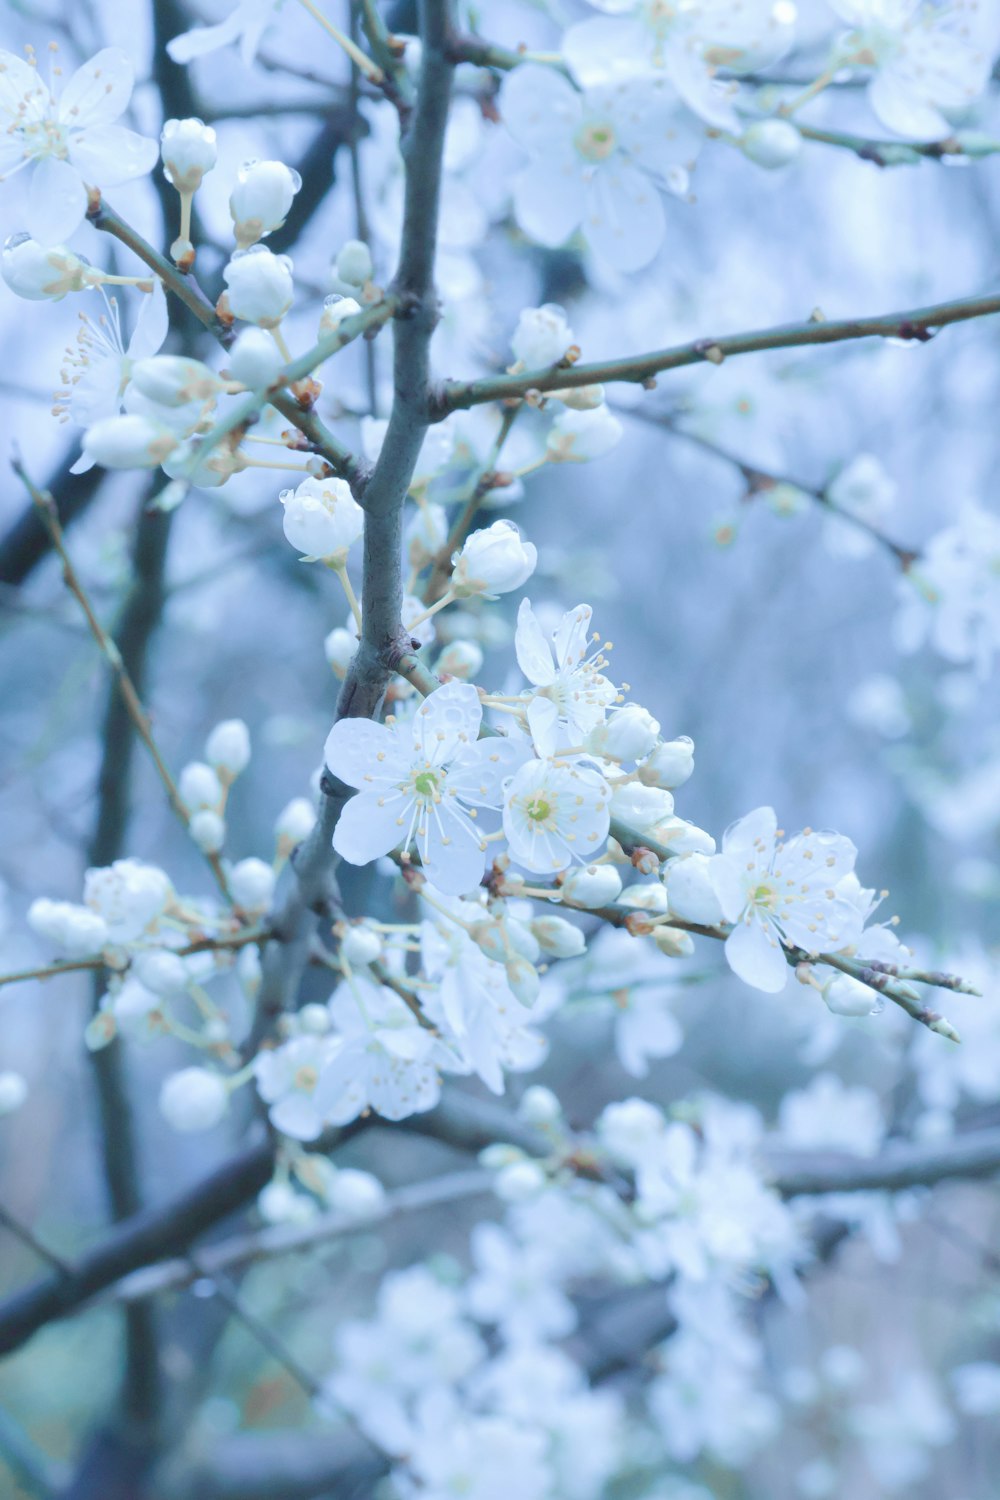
<point x="128" y="442"/>
<point x="255" y="359"/>
<point x="539" y="1106"/>
<point x="580" y="397"/>
<point x="279" y="1203"/>
<point x="252" y="884"/>
<point x="173" y="380"/>
<point x="161" y="971"/>
<point x="138" y="1011"/>
<point x="188" y="151"/>
<point x="75" y="930"/>
<point x="189" y="466"/>
<point x="579" y="436"/>
<point x="771" y="143"/>
<point x="294" y="823"/>
<point x="13" y="1092"/>
<point x="208" y="830"/>
<point x="39" y="274"/>
<point x="260" y="201"/>
<point x="592" y="885"/>
<point x="519" y="1181"/>
<point x="360" y="945"/>
<point x="523" y="980"/>
<point x="557" y="936"/>
<point x="228" y="747"/>
<point x="845" y="996"/>
<point x="322" y="518"/>
<point x="493" y="561"/>
<point x="628" y="734"/>
<point x="690" y="892"/>
<point x="426" y="534"/>
<point x="669" y="765"/>
<point x="353" y="1192"/>
<point x="339" y="647"/>
<point x="335" y="310"/>
<point x="314" y="1019"/>
<point x="259" y="286"/>
<point x="354" y="263"/>
<point x="641" y="807"/>
<point x="630" y="1130"/>
<point x="199" y="786"/>
<point x="462" y="659"/>
<point x="194" y="1099"/>
<point x="542" y="336"/>
<point x="673" y="942"/>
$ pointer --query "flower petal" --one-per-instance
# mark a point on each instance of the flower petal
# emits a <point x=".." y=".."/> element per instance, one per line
<point x="550" y="199"/>
<point x="624" y="222"/>
<point x="57" y="202"/>
<point x="363" y="753"/>
<point x="98" y="92"/>
<point x="152" y="325"/>
<point x="107" y="157"/>
<point x="755" y="956"/>
<point x="534" y="655"/>
<point x="451" y="849"/>
<point x="371" y="826"/>
<point x="540" y="108"/>
<point x="447" y="719"/>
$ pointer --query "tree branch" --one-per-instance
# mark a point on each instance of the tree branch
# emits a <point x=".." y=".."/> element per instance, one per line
<point x="918" y="324"/>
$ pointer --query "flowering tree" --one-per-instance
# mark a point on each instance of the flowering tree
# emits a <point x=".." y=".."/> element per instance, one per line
<point x="399" y="1220"/>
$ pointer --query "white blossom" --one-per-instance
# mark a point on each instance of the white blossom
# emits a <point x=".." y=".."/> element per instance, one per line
<point x="542" y="337"/>
<point x="188" y="150"/>
<point x="259" y="287"/>
<point x="260" y="201"/>
<point x="39" y="274"/>
<point x="194" y="1099"/>
<point x="555" y="814"/>
<point x="493" y="561"/>
<point x="322" y="519"/>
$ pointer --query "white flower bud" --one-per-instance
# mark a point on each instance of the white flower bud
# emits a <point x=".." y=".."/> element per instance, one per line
<point x="579" y="436"/>
<point x="249" y="972"/>
<point x="690" y="892"/>
<point x="771" y="143"/>
<point x="161" y="971"/>
<point x="354" y="263"/>
<point x="314" y="1019"/>
<point x="360" y="945"/>
<point x="628" y="734"/>
<point x="259" y="286"/>
<point x="845" y="996"/>
<point x="279" y="1203"/>
<point x="335" y="310"/>
<point x="426" y="534"/>
<point x="75" y="930"/>
<point x="673" y="942"/>
<point x="494" y="1158"/>
<point x="580" y="397"/>
<point x="260" y="201"/>
<point x="641" y="807"/>
<point x="188" y="150"/>
<point x="13" y="1092"/>
<point x="539" y="1106"/>
<point x="523" y="979"/>
<point x="137" y="1010"/>
<point x="542" y="336"/>
<point x="174" y="380"/>
<point x="669" y="765"/>
<point x="255" y="359"/>
<point x="461" y="659"/>
<point x="592" y="885"/>
<point x="322" y="519"/>
<point x="205" y="471"/>
<point x="129" y="442"/>
<point x="339" y="648"/>
<point x="129" y="895"/>
<point x="208" y="830"/>
<point x="199" y="786"/>
<point x="228" y="747"/>
<point x="493" y="561"/>
<point x="193" y="1099"/>
<point x="682" y="837"/>
<point x="557" y="936"/>
<point x="629" y="1130"/>
<point x="295" y="822"/>
<point x="350" y="1191"/>
<point x="251" y="882"/>
<point x="38" y="274"/>
<point x="519" y="1181"/>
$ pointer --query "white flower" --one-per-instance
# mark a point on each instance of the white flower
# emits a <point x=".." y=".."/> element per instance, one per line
<point x="455" y="1453"/>
<point x="286" y="1081"/>
<point x="670" y="764"/>
<point x="199" y="785"/>
<point x="645" y="1027"/>
<point x="598" y="157"/>
<point x="771" y="143"/>
<point x="926" y="66"/>
<point x="861" y="489"/>
<point x="350" y="1191"/>
<point x="339" y="648"/>
<point x="246" y="24"/>
<point x="128" y="442"/>
<point x="691" y="893"/>
<point x="554" y="814"/>
<point x="951" y="596"/>
<point x="557" y="936"/>
<point x="70" y="141"/>
<point x="194" y="1099"/>
<point x="830" y="1114"/>
<point x="260" y="201"/>
<point x="255" y="359"/>
<point x="592" y="885"/>
<point x="259" y="286"/>
<point x="381" y="1058"/>
<point x="173" y="380"/>
<point x="39" y="274"/>
<point x="579" y="436"/>
<point x="631" y="1130"/>
<point x="75" y="930"/>
<point x="462" y="659"/>
<point x="422" y="784"/>
<point x="161" y="971"/>
<point x="436" y="450"/>
<point x="251" y="882"/>
<point x="13" y="1092"/>
<point x="295" y="822"/>
<point x="354" y="263"/>
<point x="188" y="150"/>
<point x="493" y="561"/>
<point x="361" y="945"/>
<point x="566" y="672"/>
<point x="628" y="734"/>
<point x="129" y="895"/>
<point x="517" y="1287"/>
<point x="208" y="829"/>
<point x="322" y="519"/>
<point x="542" y="337"/>
<point x="777" y="892"/>
<point x="335" y="310"/>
